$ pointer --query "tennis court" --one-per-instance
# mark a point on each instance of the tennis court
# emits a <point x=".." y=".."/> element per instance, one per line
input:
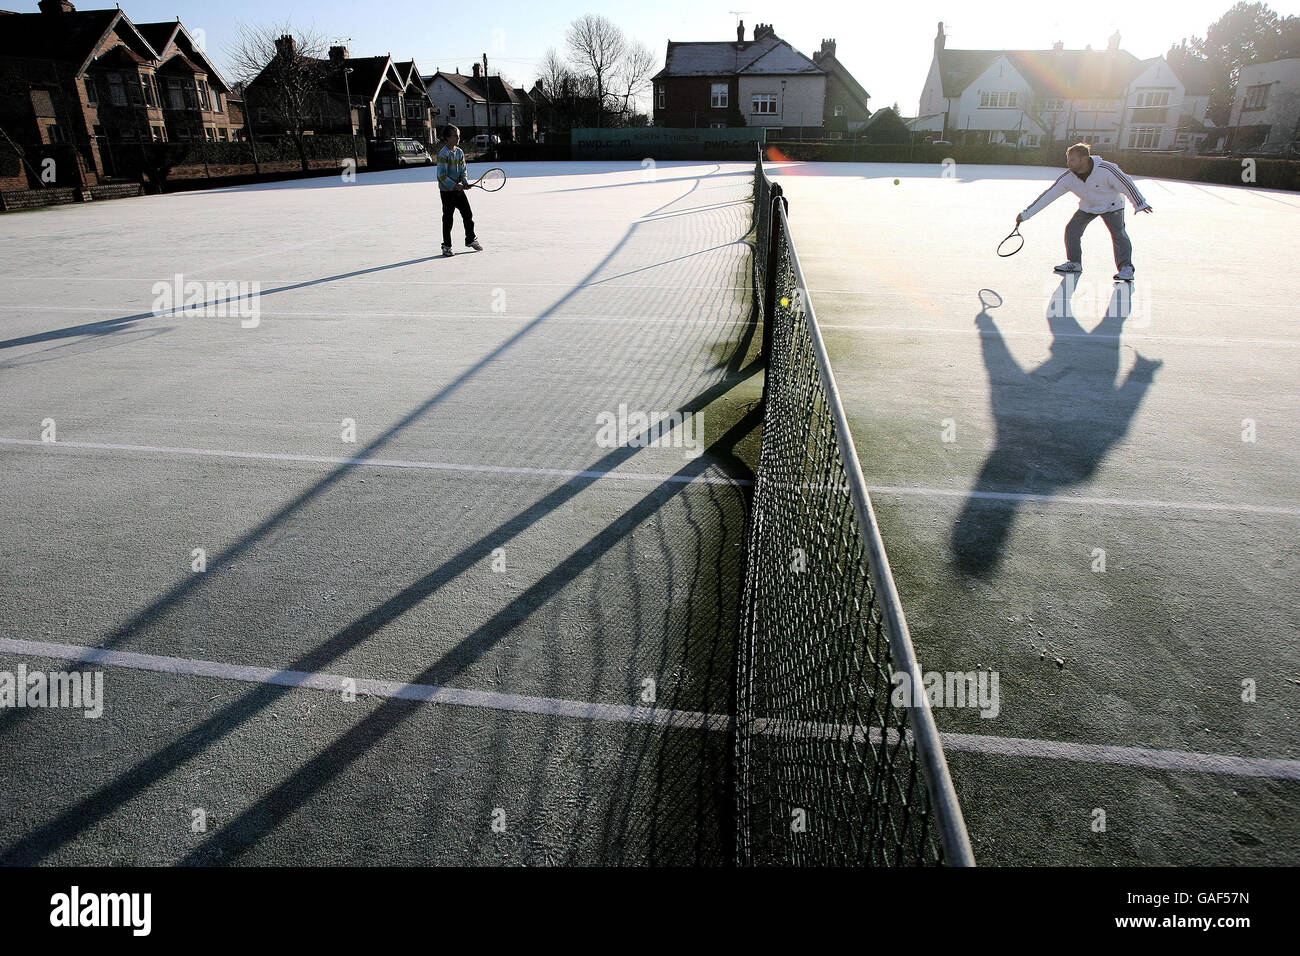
<point x="1064" y="472"/>
<point x="441" y="618"/>
<point x="396" y="479"/>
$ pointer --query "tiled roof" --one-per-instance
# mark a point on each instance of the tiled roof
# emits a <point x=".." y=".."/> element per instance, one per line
<point x="769" y="55"/>
<point x="69" y="36"/>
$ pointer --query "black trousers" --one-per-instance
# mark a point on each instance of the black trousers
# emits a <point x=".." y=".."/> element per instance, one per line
<point x="451" y="201"/>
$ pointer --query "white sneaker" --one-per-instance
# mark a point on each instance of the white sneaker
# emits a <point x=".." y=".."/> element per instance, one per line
<point x="446" y="251"/>
<point x="1125" y="274"/>
<point x="1069" y="268"/>
<point x="475" y="245"/>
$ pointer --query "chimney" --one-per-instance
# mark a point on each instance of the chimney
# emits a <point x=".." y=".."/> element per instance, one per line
<point x="1113" y="42"/>
<point x="828" y="47"/>
<point x="1058" y="46"/>
<point x="1088" y="48"/>
<point x="740" y="32"/>
<point x="940" y="39"/>
<point x="478" y="69"/>
<point x="338" y="54"/>
<point x="284" y="47"/>
<point x="762" y="30"/>
<point x="55" y="7"/>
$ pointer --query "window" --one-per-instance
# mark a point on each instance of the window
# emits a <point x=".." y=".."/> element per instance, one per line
<point x="133" y="88"/>
<point x="175" y="99"/>
<point x="1152" y="98"/>
<point x="839" y="110"/>
<point x="451" y="111"/>
<point x="1144" y="137"/>
<point x="1029" y="139"/>
<point x="159" y="134"/>
<point x="414" y="110"/>
<point x="52" y="133"/>
<point x="221" y="134"/>
<point x="1053" y="105"/>
<point x="834" y="134"/>
<point x="999" y="100"/>
<point x="116" y="91"/>
<point x="146" y="89"/>
<point x="765" y="103"/>
<point x="92" y="93"/>
<point x="718" y="96"/>
<point x="1256" y="97"/>
<point x="717" y="126"/>
<point x="660" y="97"/>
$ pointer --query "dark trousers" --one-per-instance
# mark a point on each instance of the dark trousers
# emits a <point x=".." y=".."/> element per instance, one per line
<point x="451" y="201"/>
<point x="1118" y="236"/>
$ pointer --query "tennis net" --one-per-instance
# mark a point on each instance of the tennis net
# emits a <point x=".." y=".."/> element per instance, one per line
<point x="828" y="770"/>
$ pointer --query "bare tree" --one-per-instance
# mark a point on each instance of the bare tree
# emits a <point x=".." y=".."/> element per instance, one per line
<point x="597" y="46"/>
<point x="632" y="76"/>
<point x="284" y="71"/>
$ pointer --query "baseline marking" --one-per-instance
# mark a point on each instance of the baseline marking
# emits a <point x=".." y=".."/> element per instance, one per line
<point x="1170" y="760"/>
<point x="383" y="462"/>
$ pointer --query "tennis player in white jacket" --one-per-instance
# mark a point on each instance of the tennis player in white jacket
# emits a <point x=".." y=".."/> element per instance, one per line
<point x="1101" y="188"/>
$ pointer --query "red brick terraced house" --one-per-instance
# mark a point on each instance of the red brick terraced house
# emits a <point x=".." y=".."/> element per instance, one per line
<point x="387" y="97"/>
<point x="88" y="86"/>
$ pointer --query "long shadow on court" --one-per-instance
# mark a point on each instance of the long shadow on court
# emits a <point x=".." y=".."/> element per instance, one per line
<point x="267" y="813"/>
<point x="1055" y="423"/>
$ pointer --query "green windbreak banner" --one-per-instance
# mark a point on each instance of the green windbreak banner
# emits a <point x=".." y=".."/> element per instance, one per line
<point x="662" y="142"/>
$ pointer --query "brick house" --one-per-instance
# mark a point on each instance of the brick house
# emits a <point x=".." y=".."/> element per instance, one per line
<point x="386" y="97"/>
<point x="846" y="111"/>
<point x="761" y="82"/>
<point x="90" y="84"/>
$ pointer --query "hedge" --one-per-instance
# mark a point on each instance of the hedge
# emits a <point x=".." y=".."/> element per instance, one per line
<point x="1269" y="172"/>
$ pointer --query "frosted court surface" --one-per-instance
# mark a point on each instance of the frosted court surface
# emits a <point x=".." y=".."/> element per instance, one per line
<point x="1094" y="500"/>
<point x="398" y="485"/>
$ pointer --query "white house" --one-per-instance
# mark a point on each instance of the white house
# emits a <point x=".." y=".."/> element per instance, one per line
<point x="1266" y="112"/>
<point x="464" y="101"/>
<point x="1107" y="98"/>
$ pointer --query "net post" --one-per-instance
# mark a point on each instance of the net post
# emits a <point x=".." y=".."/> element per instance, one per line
<point x="775" y="236"/>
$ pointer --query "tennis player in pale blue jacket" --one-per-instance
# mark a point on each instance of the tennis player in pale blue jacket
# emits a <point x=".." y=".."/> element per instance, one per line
<point x="1101" y="187"/>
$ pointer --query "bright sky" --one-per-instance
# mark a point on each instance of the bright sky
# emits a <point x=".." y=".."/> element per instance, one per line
<point x="887" y="47"/>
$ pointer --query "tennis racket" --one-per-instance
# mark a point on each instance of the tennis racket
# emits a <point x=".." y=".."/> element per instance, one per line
<point x="1012" y="243"/>
<point x="492" y="180"/>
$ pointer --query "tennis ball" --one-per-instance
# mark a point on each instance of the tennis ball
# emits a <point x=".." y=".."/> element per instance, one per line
<point x="895" y="182"/>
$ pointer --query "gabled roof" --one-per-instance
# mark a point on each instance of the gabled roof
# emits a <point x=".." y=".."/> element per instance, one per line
<point x="1064" y="74"/>
<point x="768" y="55"/>
<point x="834" y="67"/>
<point x="70" y="37"/>
<point x="459" y="82"/>
<point x="172" y="37"/>
<point x="475" y="89"/>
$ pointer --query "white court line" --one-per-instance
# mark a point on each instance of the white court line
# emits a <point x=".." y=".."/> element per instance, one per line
<point x="349" y="313"/>
<point x="386" y="463"/>
<point x="1170" y="760"/>
<point x="1209" y="506"/>
<point x="1046" y="333"/>
<point x="1140" y="503"/>
<point x="359" y="281"/>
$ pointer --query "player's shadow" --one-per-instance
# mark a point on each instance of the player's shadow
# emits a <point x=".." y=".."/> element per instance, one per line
<point x="1055" y="423"/>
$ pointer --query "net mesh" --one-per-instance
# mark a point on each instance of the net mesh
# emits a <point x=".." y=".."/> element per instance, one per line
<point x="828" y="772"/>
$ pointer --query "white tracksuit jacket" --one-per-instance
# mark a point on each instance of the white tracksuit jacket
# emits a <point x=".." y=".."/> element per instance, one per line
<point x="1103" y="191"/>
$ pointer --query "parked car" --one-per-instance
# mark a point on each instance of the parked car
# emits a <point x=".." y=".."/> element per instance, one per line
<point x="940" y="142"/>
<point x="484" y="140"/>
<point x="397" y="153"/>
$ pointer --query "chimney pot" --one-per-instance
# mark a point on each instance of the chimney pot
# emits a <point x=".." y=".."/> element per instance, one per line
<point x="740" y="32"/>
